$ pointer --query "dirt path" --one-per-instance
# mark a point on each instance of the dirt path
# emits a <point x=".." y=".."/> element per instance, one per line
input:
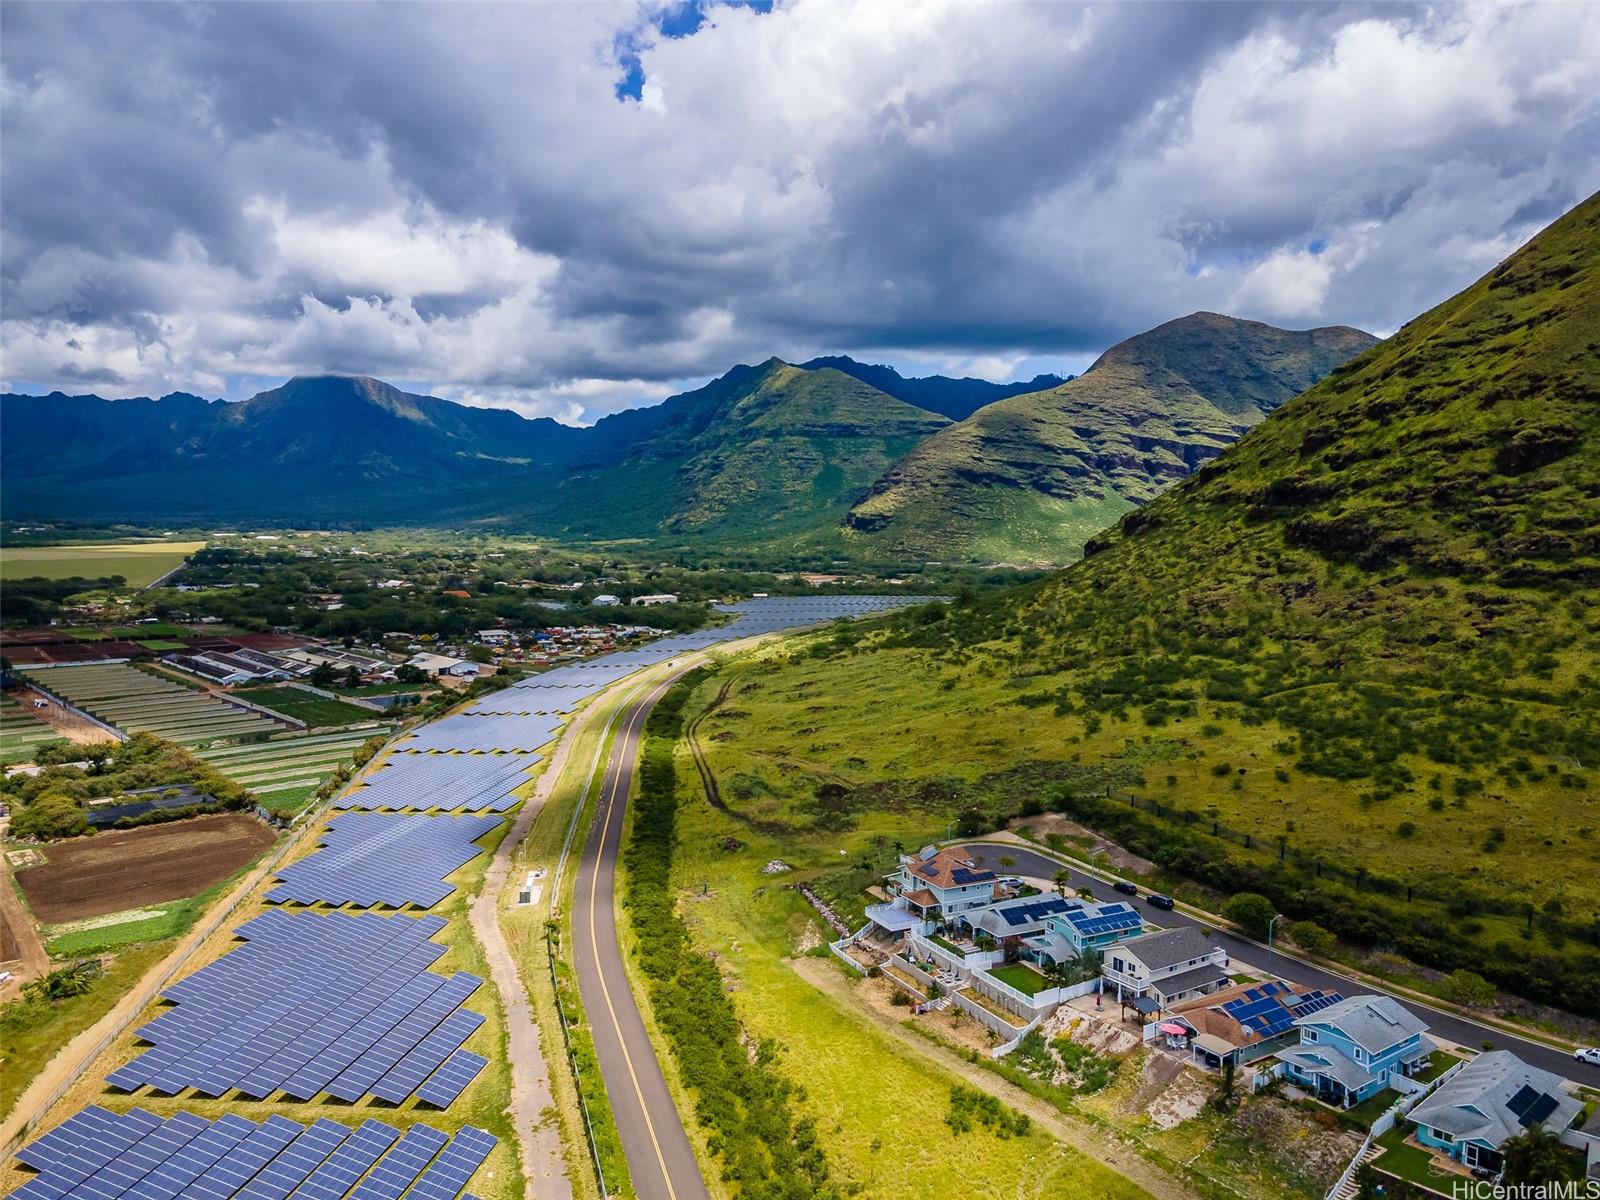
<point x="32" y="960"/>
<point x="1096" y="1144"/>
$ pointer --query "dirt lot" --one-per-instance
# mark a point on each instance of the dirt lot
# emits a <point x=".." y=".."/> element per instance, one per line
<point x="10" y="951"/>
<point x="110" y="872"/>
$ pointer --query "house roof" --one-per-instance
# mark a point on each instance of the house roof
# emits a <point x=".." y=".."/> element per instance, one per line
<point x="1168" y="947"/>
<point x="1324" y="1060"/>
<point x="1011" y="918"/>
<point x="1093" y="920"/>
<point x="1185" y="981"/>
<point x="1250" y="1012"/>
<point x="1497" y="1096"/>
<point x="922" y="896"/>
<point x="948" y="869"/>
<point x="1372" y="1022"/>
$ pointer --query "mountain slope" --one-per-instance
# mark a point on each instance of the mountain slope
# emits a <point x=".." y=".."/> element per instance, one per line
<point x="1033" y="476"/>
<point x="1353" y="664"/>
<point x="953" y="398"/>
<point x="767" y="452"/>
<point x="317" y="448"/>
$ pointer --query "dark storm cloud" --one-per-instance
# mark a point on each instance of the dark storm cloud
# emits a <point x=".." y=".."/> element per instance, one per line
<point x="455" y="194"/>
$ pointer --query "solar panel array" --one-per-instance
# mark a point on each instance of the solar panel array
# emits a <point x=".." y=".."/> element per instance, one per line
<point x="311" y="1004"/>
<point x="1271" y="1008"/>
<point x="474" y="782"/>
<point x="379" y="859"/>
<point x="468" y="732"/>
<point x="1092" y="921"/>
<point x="97" y="1155"/>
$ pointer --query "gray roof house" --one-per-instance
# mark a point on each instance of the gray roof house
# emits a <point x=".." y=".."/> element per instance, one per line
<point x="1492" y="1098"/>
<point x="1352" y="1050"/>
<point x="1168" y="966"/>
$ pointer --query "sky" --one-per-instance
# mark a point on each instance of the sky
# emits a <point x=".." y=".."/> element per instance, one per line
<point x="572" y="208"/>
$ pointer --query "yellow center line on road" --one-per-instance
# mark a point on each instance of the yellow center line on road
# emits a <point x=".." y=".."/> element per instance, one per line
<point x="628" y="732"/>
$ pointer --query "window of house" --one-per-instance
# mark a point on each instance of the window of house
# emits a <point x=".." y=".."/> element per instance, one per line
<point x="1308" y="1035"/>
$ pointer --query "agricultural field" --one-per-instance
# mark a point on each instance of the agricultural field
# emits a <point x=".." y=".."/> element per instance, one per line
<point x="316" y="711"/>
<point x="283" y="773"/>
<point x="140" y="563"/>
<point x="136" y="701"/>
<point x="22" y="733"/>
<point x="129" y="869"/>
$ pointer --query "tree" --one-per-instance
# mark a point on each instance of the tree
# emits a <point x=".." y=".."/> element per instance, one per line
<point x="322" y="676"/>
<point x="1366" y="1180"/>
<point x="352" y="676"/>
<point x="1226" y="1096"/>
<point x="52" y="815"/>
<point x="410" y="673"/>
<point x="1468" y="987"/>
<point x="1250" y="912"/>
<point x="1063" y="879"/>
<point x="1311" y="937"/>
<point x="1537" y="1156"/>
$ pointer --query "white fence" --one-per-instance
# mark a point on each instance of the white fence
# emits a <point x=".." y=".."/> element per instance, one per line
<point x="1387" y="1120"/>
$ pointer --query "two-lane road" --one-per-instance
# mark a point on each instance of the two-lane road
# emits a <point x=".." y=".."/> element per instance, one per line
<point x="661" y="1161"/>
<point x="1457" y="1029"/>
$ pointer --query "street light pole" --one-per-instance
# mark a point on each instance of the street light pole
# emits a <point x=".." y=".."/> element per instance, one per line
<point x="1270" y="925"/>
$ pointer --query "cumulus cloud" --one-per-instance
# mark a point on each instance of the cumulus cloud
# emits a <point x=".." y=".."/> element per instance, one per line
<point x="571" y="209"/>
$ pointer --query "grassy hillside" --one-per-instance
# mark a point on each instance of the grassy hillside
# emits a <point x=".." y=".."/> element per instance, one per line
<point x="1366" y="639"/>
<point x="1034" y="476"/>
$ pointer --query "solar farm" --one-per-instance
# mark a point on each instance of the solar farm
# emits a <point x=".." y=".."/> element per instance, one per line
<point x="302" y="1005"/>
<point x="136" y="701"/>
<point x="374" y="860"/>
<point x="138" y="1155"/>
<point x="21" y="733"/>
<point x="342" y="1005"/>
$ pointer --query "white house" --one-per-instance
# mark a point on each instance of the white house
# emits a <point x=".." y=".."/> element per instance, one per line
<point x="657" y="598"/>
<point x="605" y="600"/>
<point x="1169" y="966"/>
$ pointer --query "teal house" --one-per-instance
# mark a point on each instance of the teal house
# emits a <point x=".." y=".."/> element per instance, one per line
<point x="1349" y="1051"/>
<point x="1492" y="1098"/>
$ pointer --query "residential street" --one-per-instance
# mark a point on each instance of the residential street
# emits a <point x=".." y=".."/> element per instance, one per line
<point x="1455" y="1028"/>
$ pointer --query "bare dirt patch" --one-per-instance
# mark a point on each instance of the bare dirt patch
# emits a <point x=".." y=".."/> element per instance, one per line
<point x="1089" y="842"/>
<point x="10" y="948"/>
<point x="110" y="872"/>
<point x="68" y="724"/>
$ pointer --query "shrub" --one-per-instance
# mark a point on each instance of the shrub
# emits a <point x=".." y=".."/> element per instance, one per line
<point x="1250" y="912"/>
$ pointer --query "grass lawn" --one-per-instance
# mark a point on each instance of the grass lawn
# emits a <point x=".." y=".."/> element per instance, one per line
<point x="140" y="563"/>
<point x="1369" y="1110"/>
<point x="287" y="802"/>
<point x="1411" y="1163"/>
<point x="1439" y="1062"/>
<point x="32" y="1031"/>
<point x="1024" y="978"/>
<point x="380" y="689"/>
<point x="316" y="711"/>
<point x="150" y="644"/>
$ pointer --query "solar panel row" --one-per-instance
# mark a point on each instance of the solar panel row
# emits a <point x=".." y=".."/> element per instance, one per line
<point x="474" y="782"/>
<point x="310" y="1004"/>
<point x="374" y="859"/>
<point x="97" y="1155"/>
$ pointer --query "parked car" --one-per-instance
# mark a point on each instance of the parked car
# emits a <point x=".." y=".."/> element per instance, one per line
<point x="1157" y="900"/>
<point x="1588" y="1054"/>
<point x="1126" y="888"/>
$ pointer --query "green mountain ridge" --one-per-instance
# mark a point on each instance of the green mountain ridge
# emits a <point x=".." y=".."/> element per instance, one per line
<point x="1353" y="663"/>
<point x="1033" y="476"/>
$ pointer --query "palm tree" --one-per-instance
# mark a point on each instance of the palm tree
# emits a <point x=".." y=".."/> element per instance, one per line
<point x="1063" y="880"/>
<point x="1226" y="1096"/>
<point x="1537" y="1156"/>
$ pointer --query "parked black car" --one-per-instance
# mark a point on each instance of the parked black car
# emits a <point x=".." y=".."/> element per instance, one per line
<point x="1157" y="900"/>
<point x="1127" y="889"/>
